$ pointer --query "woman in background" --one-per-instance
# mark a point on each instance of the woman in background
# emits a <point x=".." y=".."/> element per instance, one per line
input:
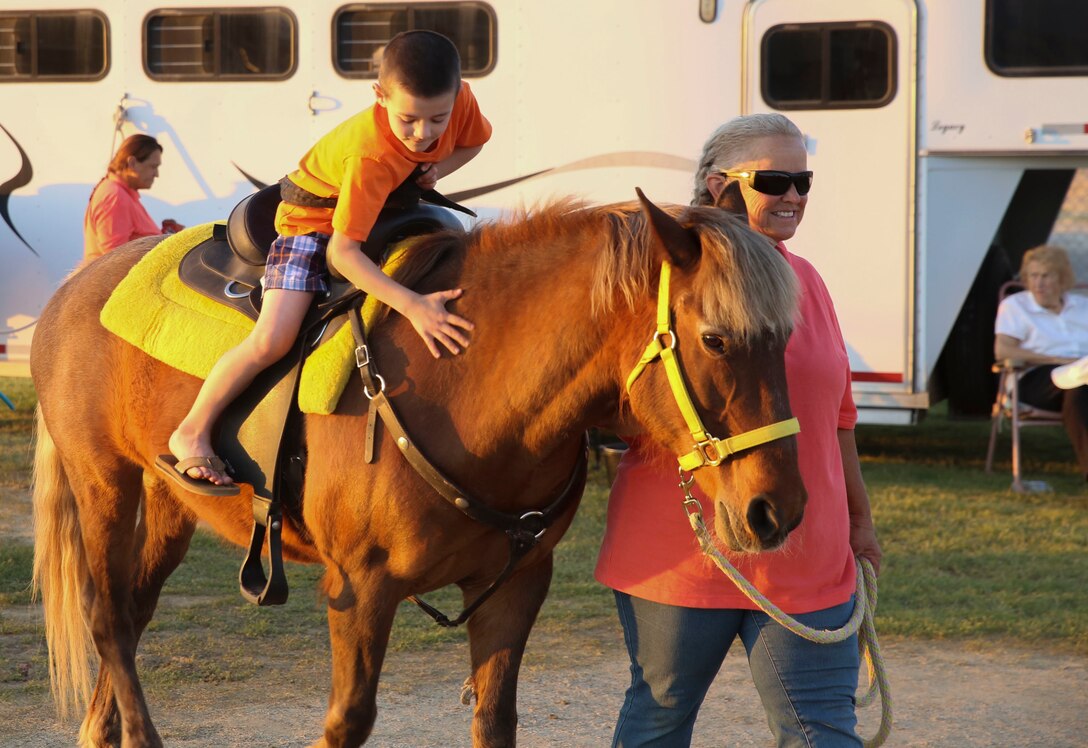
<point x="1045" y="327"/>
<point x="115" y="214"/>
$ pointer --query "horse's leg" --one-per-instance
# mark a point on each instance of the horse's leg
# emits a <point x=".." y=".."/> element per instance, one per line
<point x="109" y="491"/>
<point x="498" y="632"/>
<point x="362" y="605"/>
<point x="162" y="539"/>
<point x="102" y="725"/>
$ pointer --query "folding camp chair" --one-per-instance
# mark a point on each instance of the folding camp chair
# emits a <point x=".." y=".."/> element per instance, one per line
<point x="1007" y="408"/>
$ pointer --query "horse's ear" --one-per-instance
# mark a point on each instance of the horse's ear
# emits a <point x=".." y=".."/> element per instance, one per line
<point x="680" y="244"/>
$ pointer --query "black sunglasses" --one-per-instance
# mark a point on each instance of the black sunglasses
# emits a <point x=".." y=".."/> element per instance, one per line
<point x="775" y="182"/>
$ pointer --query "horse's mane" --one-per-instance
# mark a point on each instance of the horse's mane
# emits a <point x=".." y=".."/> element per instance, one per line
<point x="744" y="286"/>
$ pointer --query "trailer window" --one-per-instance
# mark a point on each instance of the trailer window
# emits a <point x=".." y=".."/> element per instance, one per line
<point x="53" y="46"/>
<point x="1044" y="37"/>
<point x="829" y="65"/>
<point x="220" y="44"/>
<point x="361" y="31"/>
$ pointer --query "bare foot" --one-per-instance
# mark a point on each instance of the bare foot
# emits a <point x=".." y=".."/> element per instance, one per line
<point x="183" y="447"/>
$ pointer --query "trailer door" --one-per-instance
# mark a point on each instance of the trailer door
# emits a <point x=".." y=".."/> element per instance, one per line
<point x="843" y="71"/>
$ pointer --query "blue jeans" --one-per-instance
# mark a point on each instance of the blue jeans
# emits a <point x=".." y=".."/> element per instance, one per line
<point x="807" y="689"/>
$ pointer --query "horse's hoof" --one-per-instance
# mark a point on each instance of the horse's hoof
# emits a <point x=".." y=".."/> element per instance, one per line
<point x="468" y="691"/>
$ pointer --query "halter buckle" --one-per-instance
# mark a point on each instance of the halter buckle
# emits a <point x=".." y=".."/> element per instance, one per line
<point x="672" y="339"/>
<point x="712" y="454"/>
<point x="709" y="452"/>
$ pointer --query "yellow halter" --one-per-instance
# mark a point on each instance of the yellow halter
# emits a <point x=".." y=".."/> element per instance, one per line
<point x="709" y="450"/>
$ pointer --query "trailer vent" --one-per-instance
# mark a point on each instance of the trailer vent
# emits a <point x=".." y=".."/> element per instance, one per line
<point x="221" y="44"/>
<point x="53" y="46"/>
<point x="362" y="31"/>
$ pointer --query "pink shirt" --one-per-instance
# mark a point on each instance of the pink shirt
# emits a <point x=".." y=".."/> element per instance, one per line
<point x="649" y="549"/>
<point x="114" y="216"/>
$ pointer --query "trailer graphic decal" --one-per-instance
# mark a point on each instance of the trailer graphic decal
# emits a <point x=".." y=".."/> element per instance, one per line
<point x="249" y="177"/>
<point x="21" y="179"/>
<point x="604" y="160"/>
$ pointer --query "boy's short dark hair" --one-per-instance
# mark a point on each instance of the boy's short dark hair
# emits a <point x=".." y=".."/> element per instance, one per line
<point x="424" y="63"/>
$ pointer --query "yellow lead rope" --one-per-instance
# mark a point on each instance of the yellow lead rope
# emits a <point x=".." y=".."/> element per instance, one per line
<point x="861" y="620"/>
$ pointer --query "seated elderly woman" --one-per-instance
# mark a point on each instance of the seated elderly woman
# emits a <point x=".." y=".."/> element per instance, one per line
<point x="1046" y="327"/>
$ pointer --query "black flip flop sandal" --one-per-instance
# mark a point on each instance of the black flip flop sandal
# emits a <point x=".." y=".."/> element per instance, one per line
<point x="176" y="471"/>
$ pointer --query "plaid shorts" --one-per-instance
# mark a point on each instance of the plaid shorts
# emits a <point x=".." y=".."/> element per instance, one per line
<point x="297" y="263"/>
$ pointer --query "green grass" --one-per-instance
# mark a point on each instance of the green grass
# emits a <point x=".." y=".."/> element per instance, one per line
<point x="15" y="429"/>
<point x="15" y="561"/>
<point x="965" y="560"/>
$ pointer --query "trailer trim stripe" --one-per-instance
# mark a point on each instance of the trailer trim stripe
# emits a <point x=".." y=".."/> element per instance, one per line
<point x="1064" y="129"/>
<point x="876" y="376"/>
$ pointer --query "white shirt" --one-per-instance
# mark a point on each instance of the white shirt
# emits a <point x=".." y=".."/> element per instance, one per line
<point x="1042" y="331"/>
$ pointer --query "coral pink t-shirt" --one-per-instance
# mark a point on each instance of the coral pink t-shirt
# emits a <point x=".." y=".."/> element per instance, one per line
<point x="114" y="216"/>
<point x="649" y="549"/>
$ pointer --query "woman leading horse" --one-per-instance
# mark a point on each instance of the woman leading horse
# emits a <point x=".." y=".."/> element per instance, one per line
<point x="564" y="302"/>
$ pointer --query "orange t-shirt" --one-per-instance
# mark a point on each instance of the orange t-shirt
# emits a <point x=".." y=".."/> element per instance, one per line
<point x="114" y="216"/>
<point x="649" y="549"/>
<point x="361" y="162"/>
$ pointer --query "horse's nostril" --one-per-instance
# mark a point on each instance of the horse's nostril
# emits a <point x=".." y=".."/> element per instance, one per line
<point x="762" y="519"/>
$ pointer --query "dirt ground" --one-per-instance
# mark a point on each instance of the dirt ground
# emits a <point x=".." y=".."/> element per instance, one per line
<point x="942" y="694"/>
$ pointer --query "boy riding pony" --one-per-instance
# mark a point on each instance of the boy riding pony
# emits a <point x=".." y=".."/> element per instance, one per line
<point x="425" y="118"/>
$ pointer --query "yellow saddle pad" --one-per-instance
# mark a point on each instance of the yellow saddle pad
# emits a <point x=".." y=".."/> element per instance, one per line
<point x="153" y="310"/>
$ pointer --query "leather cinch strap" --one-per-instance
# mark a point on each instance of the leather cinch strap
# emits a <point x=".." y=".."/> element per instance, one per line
<point x="708" y="450"/>
<point x="522" y="530"/>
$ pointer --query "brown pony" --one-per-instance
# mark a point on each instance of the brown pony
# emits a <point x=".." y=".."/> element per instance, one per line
<point x="564" y="304"/>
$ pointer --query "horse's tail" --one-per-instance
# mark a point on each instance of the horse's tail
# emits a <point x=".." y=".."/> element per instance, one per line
<point x="61" y="577"/>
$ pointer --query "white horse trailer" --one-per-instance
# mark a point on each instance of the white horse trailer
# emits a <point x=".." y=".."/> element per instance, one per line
<point x="944" y="135"/>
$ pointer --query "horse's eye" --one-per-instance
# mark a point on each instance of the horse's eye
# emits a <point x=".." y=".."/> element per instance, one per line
<point x="714" y="343"/>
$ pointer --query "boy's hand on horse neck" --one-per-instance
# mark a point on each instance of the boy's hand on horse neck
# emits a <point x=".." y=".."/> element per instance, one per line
<point x="435" y="324"/>
<point x="428" y="314"/>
